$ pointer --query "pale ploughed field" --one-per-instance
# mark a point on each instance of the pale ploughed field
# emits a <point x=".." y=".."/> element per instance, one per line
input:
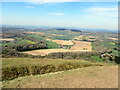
<point x="6" y="39"/>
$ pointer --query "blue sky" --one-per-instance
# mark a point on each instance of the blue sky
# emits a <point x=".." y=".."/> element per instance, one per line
<point x="93" y="15"/>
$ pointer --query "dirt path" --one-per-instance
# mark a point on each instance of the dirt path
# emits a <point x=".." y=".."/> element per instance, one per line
<point x="89" y="77"/>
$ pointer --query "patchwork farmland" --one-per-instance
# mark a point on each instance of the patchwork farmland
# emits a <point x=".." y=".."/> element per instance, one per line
<point x="77" y="46"/>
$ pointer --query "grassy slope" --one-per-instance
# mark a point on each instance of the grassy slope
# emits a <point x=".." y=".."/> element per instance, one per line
<point x="89" y="77"/>
<point x="6" y="62"/>
<point x="25" y="82"/>
<point x="16" y="67"/>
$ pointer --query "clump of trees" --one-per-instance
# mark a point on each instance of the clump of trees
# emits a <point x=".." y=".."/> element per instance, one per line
<point x="91" y="56"/>
<point x="26" y="47"/>
<point x="7" y="52"/>
<point x="73" y="55"/>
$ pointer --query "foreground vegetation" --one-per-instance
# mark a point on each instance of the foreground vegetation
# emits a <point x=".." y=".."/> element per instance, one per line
<point x="16" y="67"/>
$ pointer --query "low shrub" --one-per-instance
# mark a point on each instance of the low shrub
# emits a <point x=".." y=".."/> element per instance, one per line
<point x="47" y="69"/>
<point x="34" y="70"/>
<point x="65" y="66"/>
<point x="22" y="70"/>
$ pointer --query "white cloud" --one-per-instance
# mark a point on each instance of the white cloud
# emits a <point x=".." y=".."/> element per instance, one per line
<point x="29" y="7"/>
<point x="103" y="12"/>
<point x="56" y="14"/>
<point x="102" y="9"/>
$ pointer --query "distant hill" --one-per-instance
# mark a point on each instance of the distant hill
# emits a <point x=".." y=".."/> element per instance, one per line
<point x="58" y="28"/>
<point x="74" y="30"/>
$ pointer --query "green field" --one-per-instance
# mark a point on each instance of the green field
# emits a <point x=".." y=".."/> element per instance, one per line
<point x="38" y="37"/>
<point x="19" y="41"/>
<point x="109" y="44"/>
<point x="52" y="45"/>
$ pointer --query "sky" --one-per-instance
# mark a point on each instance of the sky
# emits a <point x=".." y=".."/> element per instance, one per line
<point x="89" y="15"/>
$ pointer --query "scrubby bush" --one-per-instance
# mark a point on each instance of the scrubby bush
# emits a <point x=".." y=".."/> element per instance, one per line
<point x="117" y="59"/>
<point x="66" y="66"/>
<point x="47" y="69"/>
<point x="9" y="73"/>
<point x="22" y="71"/>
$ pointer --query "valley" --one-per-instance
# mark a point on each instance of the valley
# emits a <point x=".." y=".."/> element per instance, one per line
<point x="58" y="53"/>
